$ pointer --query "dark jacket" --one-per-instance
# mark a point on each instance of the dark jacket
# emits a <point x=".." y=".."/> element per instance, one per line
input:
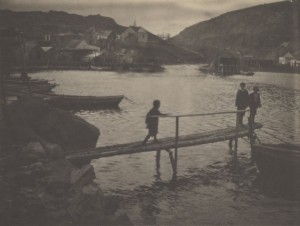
<point x="254" y="100"/>
<point x="152" y="123"/>
<point x="242" y="99"/>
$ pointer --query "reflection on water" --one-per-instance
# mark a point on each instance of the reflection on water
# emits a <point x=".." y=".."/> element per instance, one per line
<point x="207" y="191"/>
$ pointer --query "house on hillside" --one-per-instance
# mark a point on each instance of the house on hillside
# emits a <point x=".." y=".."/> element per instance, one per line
<point x="226" y="63"/>
<point x="285" y="45"/>
<point x="105" y="39"/>
<point x="131" y="57"/>
<point x="75" y="51"/>
<point x="164" y="36"/>
<point x="139" y="36"/>
<point x="295" y="63"/>
<point x="60" y="39"/>
<point x="36" y="54"/>
<point x="286" y="59"/>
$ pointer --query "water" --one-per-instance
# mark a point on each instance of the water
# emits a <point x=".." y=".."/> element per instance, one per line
<point x="208" y="190"/>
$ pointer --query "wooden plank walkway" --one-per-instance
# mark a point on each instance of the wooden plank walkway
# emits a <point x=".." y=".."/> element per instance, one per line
<point x="84" y="156"/>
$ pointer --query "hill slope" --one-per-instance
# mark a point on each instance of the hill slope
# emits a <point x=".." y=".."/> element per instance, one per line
<point x="257" y="31"/>
<point x="54" y="21"/>
<point x="36" y="24"/>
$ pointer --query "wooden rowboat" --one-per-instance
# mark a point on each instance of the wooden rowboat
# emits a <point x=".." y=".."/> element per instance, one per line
<point x="71" y="102"/>
<point x="281" y="161"/>
<point x="247" y="73"/>
<point x="22" y="82"/>
<point x="22" y="87"/>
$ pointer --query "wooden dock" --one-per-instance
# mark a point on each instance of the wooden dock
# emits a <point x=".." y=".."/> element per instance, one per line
<point x="84" y="156"/>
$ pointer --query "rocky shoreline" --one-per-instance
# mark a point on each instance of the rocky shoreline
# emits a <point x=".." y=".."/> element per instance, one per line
<point x="38" y="185"/>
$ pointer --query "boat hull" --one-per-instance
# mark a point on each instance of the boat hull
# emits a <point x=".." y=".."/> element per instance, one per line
<point x="12" y="88"/>
<point x="278" y="161"/>
<point x="70" y="102"/>
<point x="247" y="73"/>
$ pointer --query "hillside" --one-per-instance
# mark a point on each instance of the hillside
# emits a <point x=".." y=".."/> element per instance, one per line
<point x="36" y="24"/>
<point x="54" y="21"/>
<point x="259" y="31"/>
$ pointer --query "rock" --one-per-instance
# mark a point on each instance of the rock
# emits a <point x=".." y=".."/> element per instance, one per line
<point x="119" y="218"/>
<point x="67" y="130"/>
<point x="25" y="179"/>
<point x="112" y="204"/>
<point x="35" y="148"/>
<point x="39" y="170"/>
<point x="54" y="151"/>
<point x="82" y="176"/>
<point x="58" y="181"/>
<point x="36" y="166"/>
<point x="33" y="120"/>
<point x="252" y="170"/>
<point x="86" y="206"/>
<point x="59" y="215"/>
<point x="90" y="190"/>
<point x="51" y="191"/>
<point x="31" y="153"/>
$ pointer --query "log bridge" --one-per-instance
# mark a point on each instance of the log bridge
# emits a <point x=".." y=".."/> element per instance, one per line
<point x="80" y="157"/>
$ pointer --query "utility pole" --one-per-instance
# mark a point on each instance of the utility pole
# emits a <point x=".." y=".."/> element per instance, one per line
<point x="7" y="42"/>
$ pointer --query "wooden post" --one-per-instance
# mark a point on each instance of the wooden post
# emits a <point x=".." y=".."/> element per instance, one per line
<point x="3" y="118"/>
<point x="158" y="164"/>
<point x="176" y="143"/>
<point x="251" y="136"/>
<point x="24" y="74"/>
<point x="157" y="159"/>
<point x="172" y="161"/>
<point x="236" y="137"/>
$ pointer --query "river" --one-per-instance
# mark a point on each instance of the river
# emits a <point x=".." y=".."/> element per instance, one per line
<point x="208" y="190"/>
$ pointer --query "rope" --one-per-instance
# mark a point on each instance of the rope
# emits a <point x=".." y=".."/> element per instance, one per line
<point x="129" y="100"/>
<point x="275" y="137"/>
<point x="256" y="137"/>
<point x="246" y="140"/>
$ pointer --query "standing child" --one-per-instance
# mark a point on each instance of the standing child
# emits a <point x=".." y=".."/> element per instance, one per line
<point x="241" y="102"/>
<point x="254" y="103"/>
<point x="152" y="122"/>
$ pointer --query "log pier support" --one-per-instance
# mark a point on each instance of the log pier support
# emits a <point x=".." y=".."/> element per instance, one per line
<point x="172" y="161"/>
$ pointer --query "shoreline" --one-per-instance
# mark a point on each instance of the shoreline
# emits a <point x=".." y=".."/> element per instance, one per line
<point x="141" y="68"/>
<point x="151" y="68"/>
<point x="39" y="186"/>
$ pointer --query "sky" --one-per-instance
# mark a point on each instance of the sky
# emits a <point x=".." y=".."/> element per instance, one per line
<point x="157" y="16"/>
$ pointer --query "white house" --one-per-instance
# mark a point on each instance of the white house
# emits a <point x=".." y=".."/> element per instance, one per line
<point x="286" y="59"/>
<point x="138" y="35"/>
<point x="295" y="63"/>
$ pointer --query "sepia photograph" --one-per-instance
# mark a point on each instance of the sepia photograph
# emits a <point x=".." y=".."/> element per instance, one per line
<point x="149" y="112"/>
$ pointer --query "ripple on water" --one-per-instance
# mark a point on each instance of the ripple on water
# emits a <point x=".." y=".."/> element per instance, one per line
<point x="207" y="191"/>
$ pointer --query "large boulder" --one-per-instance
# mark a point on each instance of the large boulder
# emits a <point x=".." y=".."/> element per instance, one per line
<point x="33" y="120"/>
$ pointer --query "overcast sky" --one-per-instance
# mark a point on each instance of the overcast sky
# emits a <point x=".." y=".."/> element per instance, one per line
<point x="157" y="16"/>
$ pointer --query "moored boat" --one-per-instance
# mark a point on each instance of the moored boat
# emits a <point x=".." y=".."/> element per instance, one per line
<point x="72" y="102"/>
<point x="247" y="73"/>
<point x="281" y="161"/>
<point x="23" y="87"/>
<point x="14" y="84"/>
<point x="205" y="68"/>
<point x="22" y="82"/>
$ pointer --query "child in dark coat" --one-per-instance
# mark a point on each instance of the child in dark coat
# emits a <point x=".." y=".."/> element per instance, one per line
<point x="241" y="101"/>
<point x="152" y="122"/>
<point x="254" y="103"/>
